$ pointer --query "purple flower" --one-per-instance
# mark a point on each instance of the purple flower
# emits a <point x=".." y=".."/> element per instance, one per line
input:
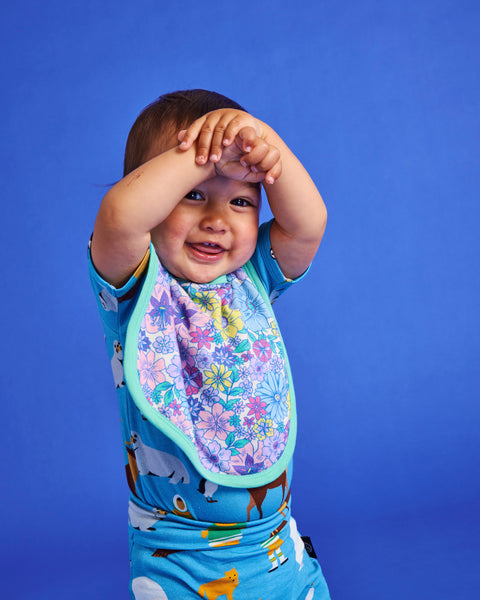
<point x="193" y="379"/>
<point x="249" y="467"/>
<point x="195" y="407"/>
<point x="215" y="458"/>
<point x="163" y="345"/>
<point x="161" y="311"/>
<point x="209" y="396"/>
<point x="224" y="356"/>
<point x="176" y="373"/>
<point x="273" y="446"/>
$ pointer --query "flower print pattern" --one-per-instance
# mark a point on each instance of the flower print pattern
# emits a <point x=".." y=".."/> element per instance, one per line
<point x="249" y="466"/>
<point x="209" y="396"/>
<point x="274" y="444"/>
<point x="257" y="369"/>
<point x="144" y="342"/>
<point x="203" y="360"/>
<point x="263" y="428"/>
<point x="216" y="457"/>
<point x="160" y="312"/>
<point x="219" y="378"/>
<point x="227" y="321"/>
<point x="215" y="422"/>
<point x="211" y="361"/>
<point x="193" y="379"/>
<point x="257" y="407"/>
<point x="274" y="389"/>
<point x="187" y="354"/>
<point x="163" y="344"/>
<point x="183" y="315"/>
<point x="194" y="407"/>
<point x="206" y="300"/>
<point x="202" y="338"/>
<point x="254" y="312"/>
<point x="224" y="356"/>
<point x="262" y="350"/>
<point x="176" y="372"/>
<point x="150" y="370"/>
<point x="276" y="364"/>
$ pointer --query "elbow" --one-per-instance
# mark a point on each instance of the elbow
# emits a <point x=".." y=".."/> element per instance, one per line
<point x="319" y="222"/>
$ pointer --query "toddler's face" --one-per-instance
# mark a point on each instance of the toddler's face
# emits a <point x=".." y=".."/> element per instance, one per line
<point x="211" y="232"/>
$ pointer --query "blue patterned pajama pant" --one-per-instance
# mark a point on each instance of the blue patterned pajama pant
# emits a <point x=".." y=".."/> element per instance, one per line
<point x="263" y="560"/>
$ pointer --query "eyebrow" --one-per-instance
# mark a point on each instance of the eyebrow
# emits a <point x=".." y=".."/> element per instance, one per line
<point x="251" y="184"/>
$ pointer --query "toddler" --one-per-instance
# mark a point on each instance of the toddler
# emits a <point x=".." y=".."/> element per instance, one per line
<point x="184" y="279"/>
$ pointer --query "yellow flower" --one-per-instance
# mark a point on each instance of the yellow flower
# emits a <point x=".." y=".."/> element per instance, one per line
<point x="227" y="321"/>
<point x="218" y="377"/>
<point x="263" y="428"/>
<point x="206" y="300"/>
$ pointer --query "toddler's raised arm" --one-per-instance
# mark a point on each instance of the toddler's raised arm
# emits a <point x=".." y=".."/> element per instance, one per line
<point x="299" y="212"/>
<point x="137" y="204"/>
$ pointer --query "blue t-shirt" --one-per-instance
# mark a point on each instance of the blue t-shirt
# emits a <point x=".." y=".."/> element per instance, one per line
<point x="205" y="394"/>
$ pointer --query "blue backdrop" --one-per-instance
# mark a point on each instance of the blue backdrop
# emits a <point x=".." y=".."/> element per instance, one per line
<point x="380" y="100"/>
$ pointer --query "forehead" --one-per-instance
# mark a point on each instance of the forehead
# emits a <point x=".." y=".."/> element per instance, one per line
<point x="230" y="187"/>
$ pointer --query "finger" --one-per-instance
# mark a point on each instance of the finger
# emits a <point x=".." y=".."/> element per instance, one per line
<point x="181" y="135"/>
<point x="234" y="126"/>
<point x="274" y="173"/>
<point x="269" y="160"/>
<point x="266" y="160"/>
<point x="247" y="138"/>
<point x="205" y="139"/>
<point x="191" y="133"/>
<point x="217" y="140"/>
<point x="258" y="151"/>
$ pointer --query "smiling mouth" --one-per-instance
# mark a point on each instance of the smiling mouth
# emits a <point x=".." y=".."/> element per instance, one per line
<point x="206" y="250"/>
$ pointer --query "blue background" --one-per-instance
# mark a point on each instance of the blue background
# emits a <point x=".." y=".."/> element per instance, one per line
<point x="380" y="100"/>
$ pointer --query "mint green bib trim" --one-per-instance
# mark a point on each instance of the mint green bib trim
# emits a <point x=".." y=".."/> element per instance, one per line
<point x="132" y="379"/>
<point x="292" y="437"/>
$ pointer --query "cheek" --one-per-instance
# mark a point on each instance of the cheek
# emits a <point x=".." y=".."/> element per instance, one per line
<point x="174" y="228"/>
<point x="249" y="236"/>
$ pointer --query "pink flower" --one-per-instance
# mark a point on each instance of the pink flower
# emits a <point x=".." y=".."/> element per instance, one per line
<point x="262" y="350"/>
<point x="257" y="407"/>
<point x="215" y="424"/>
<point x="202" y="337"/>
<point x="151" y="370"/>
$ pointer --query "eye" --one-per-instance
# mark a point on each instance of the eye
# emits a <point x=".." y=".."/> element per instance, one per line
<point x="194" y="195"/>
<point x="242" y="202"/>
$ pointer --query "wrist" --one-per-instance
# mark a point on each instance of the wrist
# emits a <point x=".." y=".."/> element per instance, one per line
<point x="204" y="171"/>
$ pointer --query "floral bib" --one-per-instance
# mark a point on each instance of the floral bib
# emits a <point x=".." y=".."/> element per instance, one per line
<point x="205" y="363"/>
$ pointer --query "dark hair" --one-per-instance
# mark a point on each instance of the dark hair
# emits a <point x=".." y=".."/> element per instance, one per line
<point x="167" y="115"/>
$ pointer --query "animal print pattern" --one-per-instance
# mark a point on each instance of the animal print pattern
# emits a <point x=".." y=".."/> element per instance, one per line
<point x="224" y="586"/>
<point x="231" y="563"/>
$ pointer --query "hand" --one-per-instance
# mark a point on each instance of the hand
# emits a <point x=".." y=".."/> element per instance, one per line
<point x="249" y="158"/>
<point x="236" y="142"/>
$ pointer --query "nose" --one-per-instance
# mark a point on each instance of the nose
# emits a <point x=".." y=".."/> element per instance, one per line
<point x="214" y="220"/>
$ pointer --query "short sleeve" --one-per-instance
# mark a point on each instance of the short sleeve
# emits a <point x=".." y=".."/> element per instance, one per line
<point x="267" y="267"/>
<point x="115" y="305"/>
